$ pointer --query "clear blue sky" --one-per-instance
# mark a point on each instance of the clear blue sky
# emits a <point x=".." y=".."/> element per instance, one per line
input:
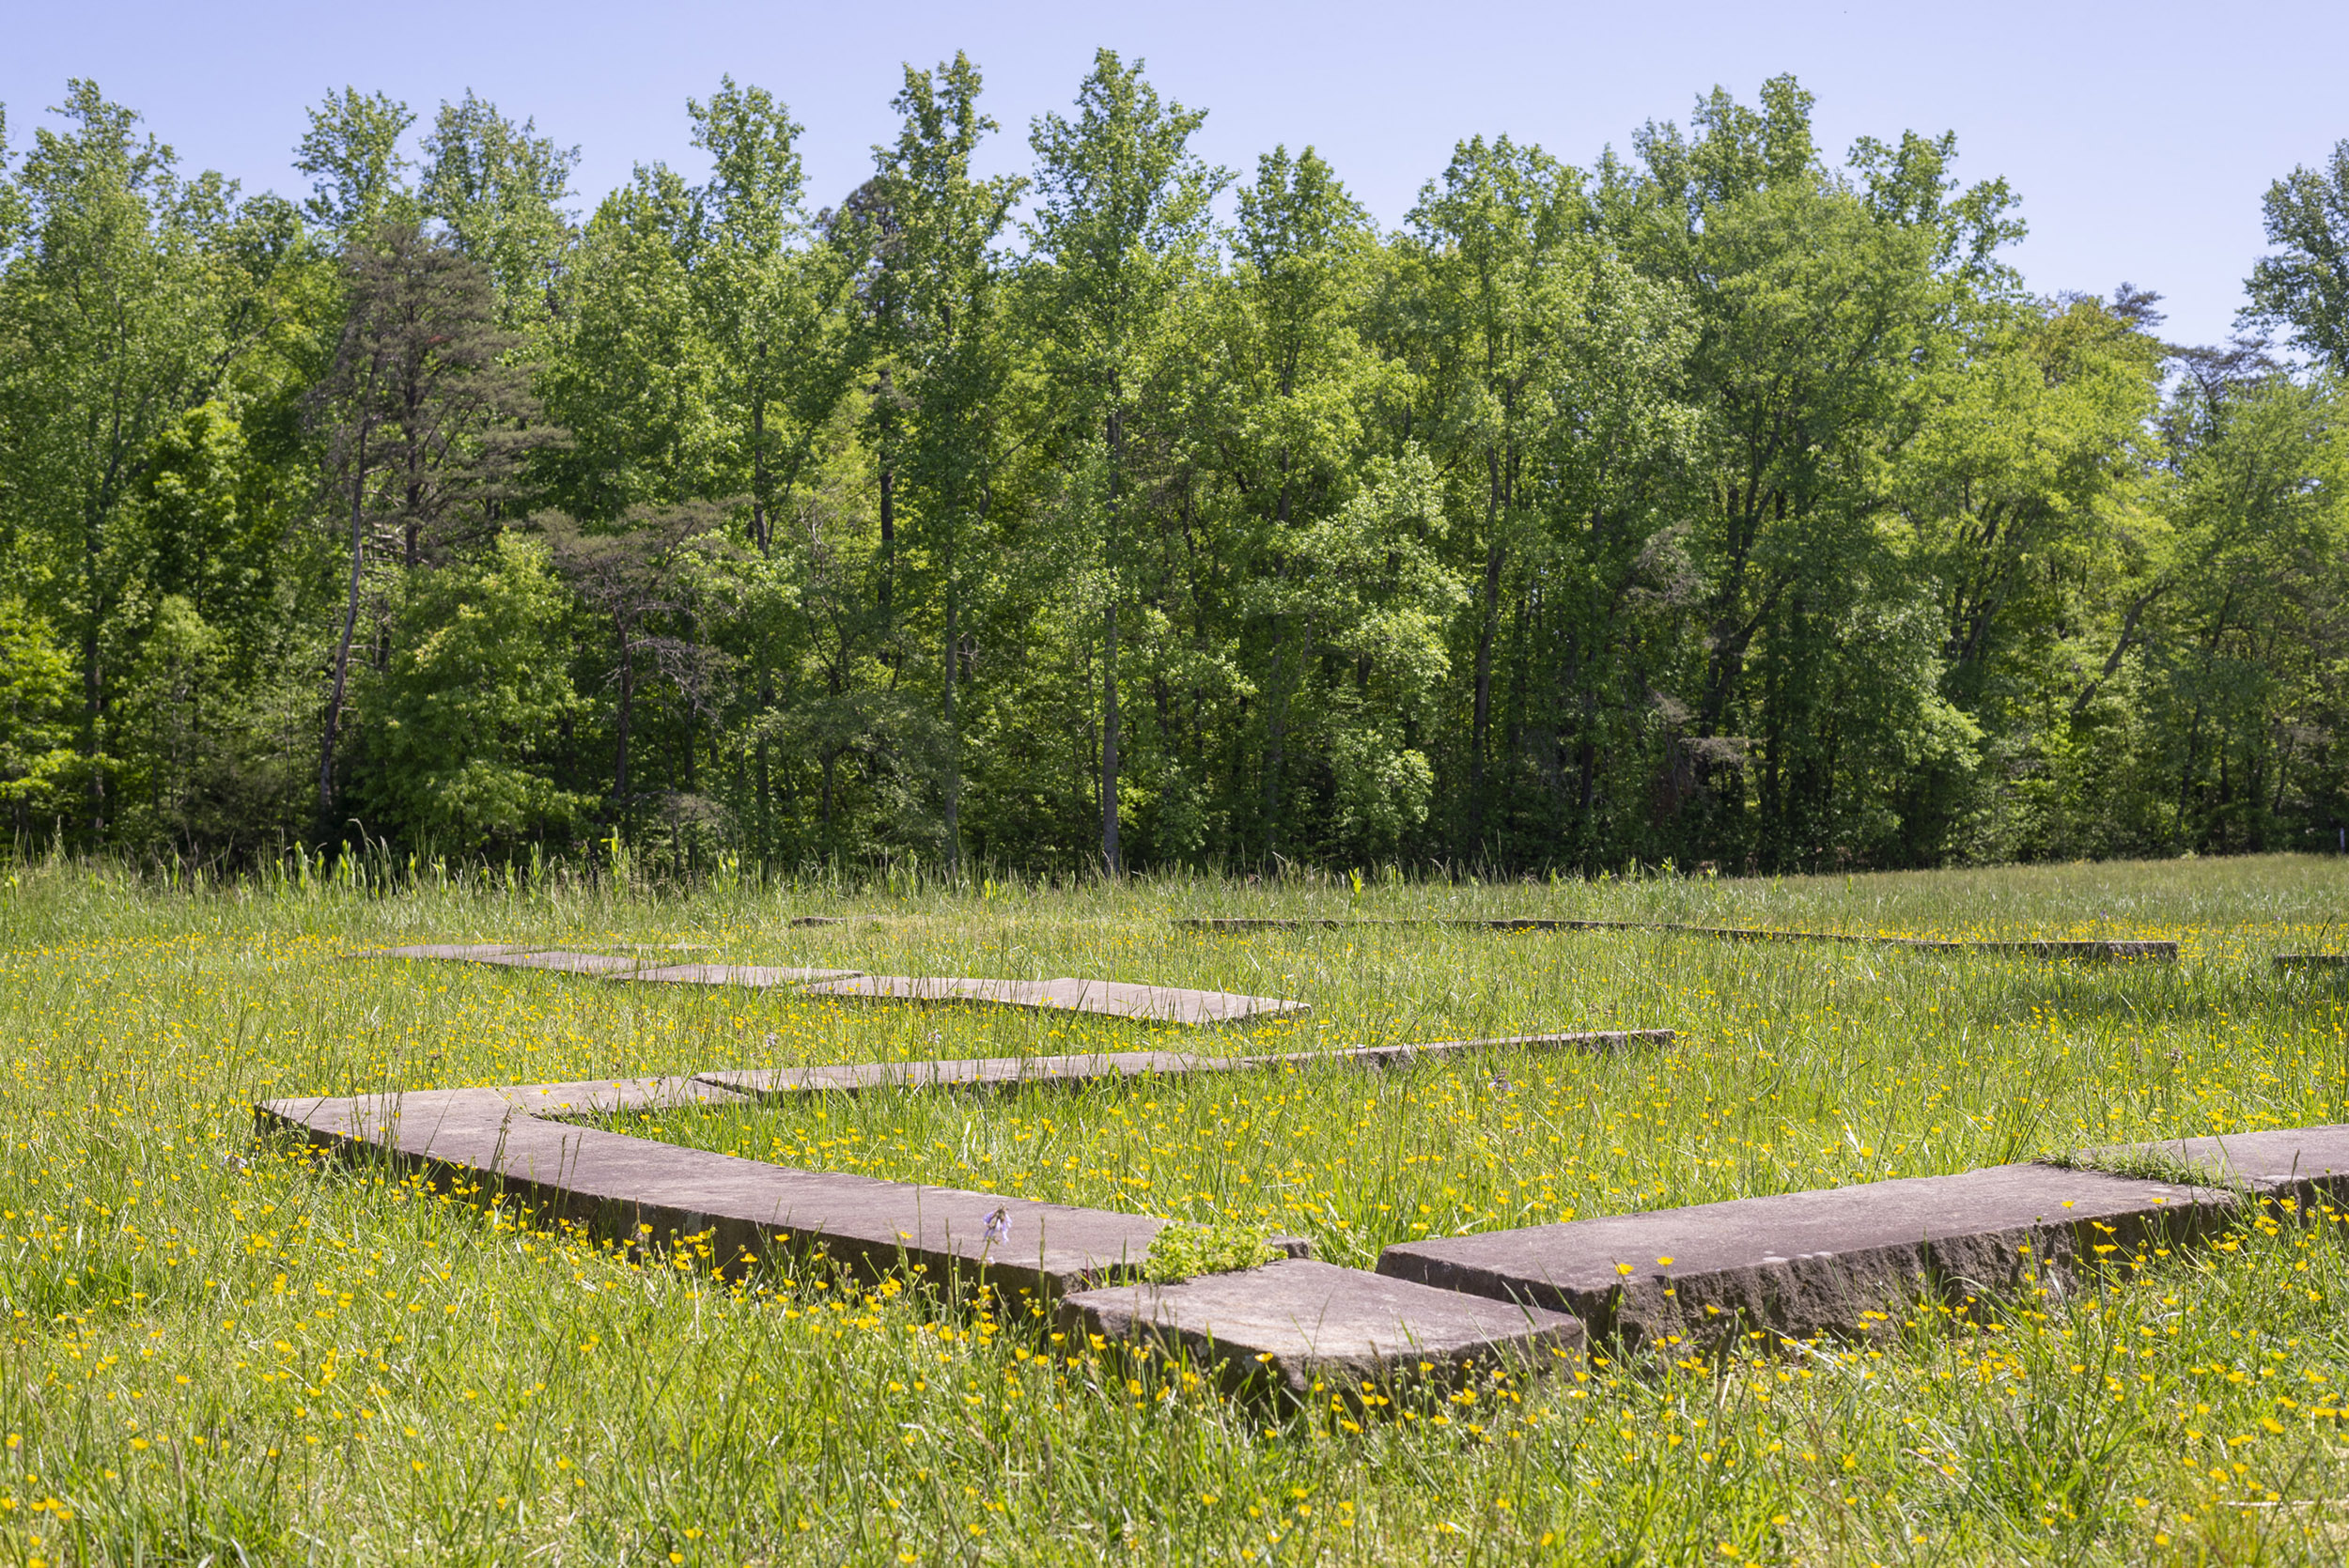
<point x="2140" y="136"/>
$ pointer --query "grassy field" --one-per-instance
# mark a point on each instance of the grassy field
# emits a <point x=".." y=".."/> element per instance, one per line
<point x="219" y="1352"/>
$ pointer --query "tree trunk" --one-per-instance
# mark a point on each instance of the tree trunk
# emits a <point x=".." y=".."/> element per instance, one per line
<point x="1109" y="857"/>
<point x="619" y="750"/>
<point x="411" y="429"/>
<point x="1277" y="709"/>
<point x="1481" y="723"/>
<point x="342" y="649"/>
<point x="766" y="779"/>
<point x="761" y="527"/>
<point x="762" y="535"/>
<point x="1276" y="747"/>
<point x="2120" y="651"/>
<point x="93" y="685"/>
<point x="1108" y="738"/>
<point x="953" y="738"/>
<point x="888" y="509"/>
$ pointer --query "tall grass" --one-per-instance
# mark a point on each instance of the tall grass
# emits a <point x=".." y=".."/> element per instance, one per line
<point x="216" y="1349"/>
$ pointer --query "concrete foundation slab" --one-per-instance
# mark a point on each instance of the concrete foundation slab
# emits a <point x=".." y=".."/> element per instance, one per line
<point x="1114" y="997"/>
<point x="453" y="951"/>
<point x="1017" y="1072"/>
<point x="758" y="975"/>
<point x="612" y="1096"/>
<point x="363" y="1116"/>
<point x="564" y="962"/>
<point x="1243" y="923"/>
<point x="987" y="1072"/>
<point x="2090" y="948"/>
<point x="635" y="1187"/>
<point x="2093" y="950"/>
<point x="2305" y="1164"/>
<point x="1596" y="1040"/>
<point x="1805" y="1264"/>
<point x="1314" y="1330"/>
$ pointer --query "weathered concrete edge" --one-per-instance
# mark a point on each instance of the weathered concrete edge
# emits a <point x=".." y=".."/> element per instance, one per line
<point x="1078" y="1071"/>
<point x="487" y="1135"/>
<point x="557" y="1194"/>
<point x="2090" y="948"/>
<point x="2043" y="947"/>
<point x="1592" y="1040"/>
<point x="985" y="1073"/>
<point x="884" y="988"/>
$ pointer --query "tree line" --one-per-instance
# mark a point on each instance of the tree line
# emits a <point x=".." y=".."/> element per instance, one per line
<point x="1720" y="502"/>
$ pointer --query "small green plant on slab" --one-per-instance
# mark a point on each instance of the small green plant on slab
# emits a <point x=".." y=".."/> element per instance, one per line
<point x="1184" y="1252"/>
<point x="2150" y="1165"/>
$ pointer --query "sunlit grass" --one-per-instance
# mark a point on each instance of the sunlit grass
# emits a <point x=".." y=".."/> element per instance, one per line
<point x="213" y="1343"/>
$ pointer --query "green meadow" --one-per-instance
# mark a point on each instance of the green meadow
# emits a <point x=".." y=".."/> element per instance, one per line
<point x="221" y="1350"/>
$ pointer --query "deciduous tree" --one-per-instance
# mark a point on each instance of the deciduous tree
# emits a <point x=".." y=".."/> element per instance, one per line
<point x="1121" y="212"/>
